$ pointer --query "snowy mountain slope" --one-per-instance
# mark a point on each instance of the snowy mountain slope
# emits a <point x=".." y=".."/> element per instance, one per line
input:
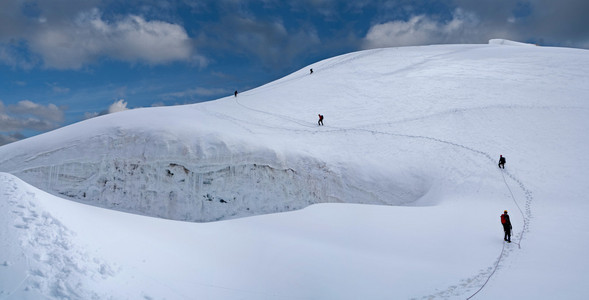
<point x="419" y="127"/>
<point x="186" y="162"/>
<point x="339" y="251"/>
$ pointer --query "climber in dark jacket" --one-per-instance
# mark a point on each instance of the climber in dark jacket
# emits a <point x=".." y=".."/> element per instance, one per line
<point x="501" y="161"/>
<point x="506" y="226"/>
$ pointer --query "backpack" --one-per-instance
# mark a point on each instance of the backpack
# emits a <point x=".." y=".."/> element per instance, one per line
<point x="503" y="219"/>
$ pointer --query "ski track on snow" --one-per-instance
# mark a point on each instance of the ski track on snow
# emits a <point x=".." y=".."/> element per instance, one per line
<point x="472" y="109"/>
<point x="482" y="278"/>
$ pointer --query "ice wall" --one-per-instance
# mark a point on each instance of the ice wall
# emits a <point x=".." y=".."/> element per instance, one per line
<point x="162" y="176"/>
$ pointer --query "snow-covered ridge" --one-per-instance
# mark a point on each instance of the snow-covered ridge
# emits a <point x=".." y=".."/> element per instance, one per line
<point x="508" y="42"/>
<point x="262" y="151"/>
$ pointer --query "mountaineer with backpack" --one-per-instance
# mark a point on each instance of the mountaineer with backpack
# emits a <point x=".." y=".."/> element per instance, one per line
<point x="320" y="122"/>
<point x="506" y="226"/>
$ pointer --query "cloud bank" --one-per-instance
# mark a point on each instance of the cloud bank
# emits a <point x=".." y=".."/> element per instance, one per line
<point x="419" y="30"/>
<point x="131" y="39"/>
<point x="84" y="37"/>
<point x="27" y="116"/>
<point x="556" y="23"/>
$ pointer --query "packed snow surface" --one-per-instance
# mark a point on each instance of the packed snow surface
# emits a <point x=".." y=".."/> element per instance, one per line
<point x="214" y="200"/>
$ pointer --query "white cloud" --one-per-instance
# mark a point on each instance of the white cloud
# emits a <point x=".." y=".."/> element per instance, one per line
<point x="422" y="30"/>
<point x="71" y="45"/>
<point x="50" y="112"/>
<point x="117" y="106"/>
<point x="27" y="115"/>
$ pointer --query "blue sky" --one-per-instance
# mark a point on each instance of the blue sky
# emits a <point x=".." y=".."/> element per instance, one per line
<point x="63" y="61"/>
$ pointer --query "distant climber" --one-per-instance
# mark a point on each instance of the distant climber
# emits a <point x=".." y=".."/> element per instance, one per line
<point x="506" y="226"/>
<point x="501" y="161"/>
<point x="311" y="71"/>
<point x="235" y="93"/>
<point x="320" y="122"/>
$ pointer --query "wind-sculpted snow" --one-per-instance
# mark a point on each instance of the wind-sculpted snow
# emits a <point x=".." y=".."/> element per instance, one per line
<point x="180" y="190"/>
<point x="148" y="175"/>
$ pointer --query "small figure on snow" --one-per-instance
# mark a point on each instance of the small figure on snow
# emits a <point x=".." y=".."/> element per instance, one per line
<point x="311" y="71"/>
<point x="506" y="226"/>
<point x="501" y="161"/>
<point x="320" y="122"/>
<point x="235" y="93"/>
